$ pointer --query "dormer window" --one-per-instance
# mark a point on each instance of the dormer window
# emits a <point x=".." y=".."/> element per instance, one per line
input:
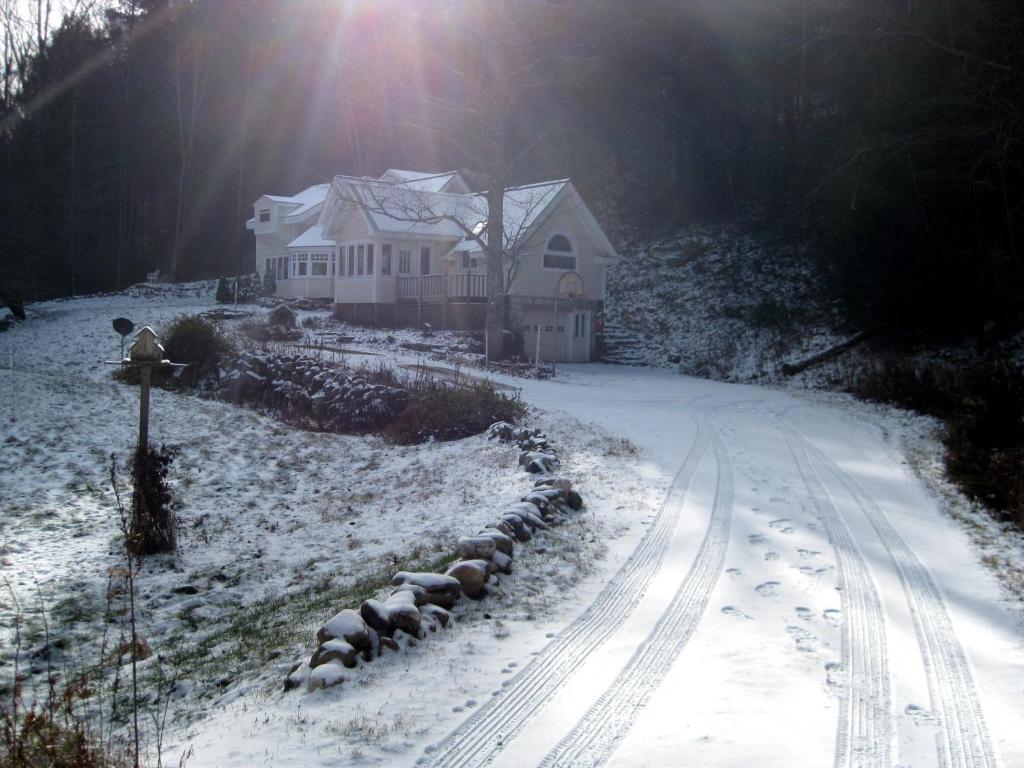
<point x="559" y="254"/>
<point x="264" y="215"/>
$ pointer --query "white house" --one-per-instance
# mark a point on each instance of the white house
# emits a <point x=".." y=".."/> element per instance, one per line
<point x="405" y="249"/>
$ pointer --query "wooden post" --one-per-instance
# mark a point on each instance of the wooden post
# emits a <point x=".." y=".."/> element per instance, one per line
<point x="147" y="377"/>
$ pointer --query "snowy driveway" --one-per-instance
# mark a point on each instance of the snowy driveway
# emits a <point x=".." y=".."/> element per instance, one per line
<point x="800" y="600"/>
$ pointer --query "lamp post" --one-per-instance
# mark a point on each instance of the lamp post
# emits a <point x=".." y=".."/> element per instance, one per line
<point x="571" y="294"/>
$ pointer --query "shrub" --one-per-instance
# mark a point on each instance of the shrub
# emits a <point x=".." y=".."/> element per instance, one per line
<point x="983" y="408"/>
<point x="441" y="411"/>
<point x="200" y="344"/>
<point x="269" y="283"/>
<point x="250" y="289"/>
<point x="262" y="331"/>
<point x="153" y="525"/>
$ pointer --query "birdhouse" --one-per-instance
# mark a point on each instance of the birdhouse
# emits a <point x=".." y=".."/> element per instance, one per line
<point x="146" y="348"/>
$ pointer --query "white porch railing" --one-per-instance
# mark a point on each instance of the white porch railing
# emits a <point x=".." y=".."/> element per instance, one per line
<point x="460" y="285"/>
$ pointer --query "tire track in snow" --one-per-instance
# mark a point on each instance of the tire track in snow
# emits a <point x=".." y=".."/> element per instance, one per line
<point x="593" y="740"/>
<point x="963" y="740"/>
<point x="478" y="740"/>
<point x="864" y="732"/>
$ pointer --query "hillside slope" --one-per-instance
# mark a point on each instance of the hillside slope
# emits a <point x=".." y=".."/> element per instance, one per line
<point x="715" y="303"/>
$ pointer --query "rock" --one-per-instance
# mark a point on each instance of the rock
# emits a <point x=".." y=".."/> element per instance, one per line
<point x="419" y="593"/>
<point x="502" y="562"/>
<point x="574" y="500"/>
<point x="403" y="613"/>
<point x="326" y="675"/>
<point x="561" y="483"/>
<point x="347" y="625"/>
<point x="390" y="644"/>
<point x="476" y="547"/>
<point x="297" y="675"/>
<point x="519" y="529"/>
<point x="376" y="616"/>
<point x="472" y="575"/>
<point x="440" y="589"/>
<point x="502" y="542"/>
<point x="502" y="527"/>
<point x="437" y="614"/>
<point x="186" y="589"/>
<point x="334" y="650"/>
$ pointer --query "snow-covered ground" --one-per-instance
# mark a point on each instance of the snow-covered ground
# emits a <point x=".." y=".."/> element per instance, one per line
<point x="717" y="302"/>
<point x="762" y="577"/>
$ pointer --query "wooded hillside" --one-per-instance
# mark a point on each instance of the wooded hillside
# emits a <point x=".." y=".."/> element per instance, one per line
<point x="135" y="137"/>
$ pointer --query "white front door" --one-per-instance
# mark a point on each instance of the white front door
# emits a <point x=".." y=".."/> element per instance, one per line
<point x="578" y="336"/>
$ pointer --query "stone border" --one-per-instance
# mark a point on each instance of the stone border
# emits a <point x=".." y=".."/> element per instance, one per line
<point x="420" y="602"/>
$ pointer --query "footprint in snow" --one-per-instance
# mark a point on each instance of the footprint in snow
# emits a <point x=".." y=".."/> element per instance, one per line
<point x="756" y="538"/>
<point x="734" y="572"/>
<point x="833" y="616"/>
<point x="782" y="525"/>
<point x="807" y="554"/>
<point x="767" y="589"/>
<point x="803" y="613"/>
<point x="806" y="642"/>
<point x="771" y="555"/>
<point x="920" y="715"/>
<point x="730" y="610"/>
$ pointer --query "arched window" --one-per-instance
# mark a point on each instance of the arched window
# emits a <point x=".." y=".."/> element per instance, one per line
<point x="559" y="254"/>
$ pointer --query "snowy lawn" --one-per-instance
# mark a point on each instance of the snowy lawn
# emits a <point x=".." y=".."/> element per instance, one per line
<point x="281" y="528"/>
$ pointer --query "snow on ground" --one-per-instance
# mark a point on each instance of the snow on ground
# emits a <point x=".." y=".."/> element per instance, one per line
<point x="762" y="577"/>
<point x="277" y="525"/>
<point x="718" y="304"/>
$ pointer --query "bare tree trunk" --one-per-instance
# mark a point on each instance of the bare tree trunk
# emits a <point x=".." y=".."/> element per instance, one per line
<point x="495" y="319"/>
<point x="72" y="192"/>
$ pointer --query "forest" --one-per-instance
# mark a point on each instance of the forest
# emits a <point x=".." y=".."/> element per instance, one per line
<point x="885" y="136"/>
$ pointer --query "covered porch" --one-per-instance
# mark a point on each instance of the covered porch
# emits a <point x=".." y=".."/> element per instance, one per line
<point x="456" y="287"/>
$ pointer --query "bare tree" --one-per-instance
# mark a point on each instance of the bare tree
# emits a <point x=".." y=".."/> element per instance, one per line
<point x="479" y="69"/>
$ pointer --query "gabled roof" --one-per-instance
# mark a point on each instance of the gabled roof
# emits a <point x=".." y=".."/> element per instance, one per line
<point x="524" y="206"/>
<point x="420" y="180"/>
<point x="403" y="209"/>
<point x="312" y="238"/>
<point x="302" y="204"/>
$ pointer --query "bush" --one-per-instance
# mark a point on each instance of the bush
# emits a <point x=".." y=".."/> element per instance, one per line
<point x="983" y="408"/>
<point x="441" y="411"/>
<point x="52" y="737"/>
<point x="262" y="331"/>
<point x="250" y="289"/>
<point x="269" y="283"/>
<point x="200" y="344"/>
<point x="153" y="524"/>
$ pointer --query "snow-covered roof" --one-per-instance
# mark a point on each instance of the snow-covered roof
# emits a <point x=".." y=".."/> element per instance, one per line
<point x="404" y="209"/>
<point x="522" y="209"/>
<point x="312" y="238"/>
<point x="302" y="203"/>
<point x="420" y="180"/>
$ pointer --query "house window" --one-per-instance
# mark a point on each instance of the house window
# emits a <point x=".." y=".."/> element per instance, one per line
<point x="369" y="259"/>
<point x="360" y="259"/>
<point x="385" y="259"/>
<point x="264" y="215"/>
<point x="319" y="264"/>
<point x="465" y="260"/>
<point x="425" y="260"/>
<point x="333" y="259"/>
<point x="270" y="266"/>
<point x="474" y="263"/>
<point x="351" y="260"/>
<point x="302" y="264"/>
<point x="404" y="262"/>
<point x="282" y="267"/>
<point x="559" y="255"/>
